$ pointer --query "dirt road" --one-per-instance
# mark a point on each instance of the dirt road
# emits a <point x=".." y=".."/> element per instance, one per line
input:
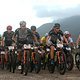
<point x="43" y="75"/>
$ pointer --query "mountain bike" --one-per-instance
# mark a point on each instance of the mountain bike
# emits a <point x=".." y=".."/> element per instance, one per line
<point x="69" y="58"/>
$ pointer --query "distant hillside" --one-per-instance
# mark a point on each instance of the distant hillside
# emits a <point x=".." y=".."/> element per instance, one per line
<point x="45" y="28"/>
<point x="72" y="24"/>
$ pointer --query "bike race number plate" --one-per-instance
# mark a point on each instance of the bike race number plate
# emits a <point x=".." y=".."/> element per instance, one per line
<point x="11" y="47"/>
<point x="2" y="52"/>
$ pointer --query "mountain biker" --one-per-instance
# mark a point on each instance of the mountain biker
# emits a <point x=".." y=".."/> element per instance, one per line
<point x="7" y="38"/>
<point x="69" y="38"/>
<point x="33" y="29"/>
<point x="54" y="34"/>
<point x="43" y="40"/>
<point x="23" y="35"/>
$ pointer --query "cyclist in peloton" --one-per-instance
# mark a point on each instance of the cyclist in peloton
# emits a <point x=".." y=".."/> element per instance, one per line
<point x="53" y="35"/>
<point x="7" y="39"/>
<point x="69" y="39"/>
<point x="23" y="35"/>
<point x="43" y="41"/>
<point x="33" y="29"/>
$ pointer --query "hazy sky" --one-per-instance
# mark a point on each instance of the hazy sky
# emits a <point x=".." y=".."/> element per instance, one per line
<point x="35" y="12"/>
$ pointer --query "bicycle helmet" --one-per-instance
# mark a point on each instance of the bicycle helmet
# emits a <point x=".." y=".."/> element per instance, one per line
<point x="56" y="25"/>
<point x="9" y="27"/>
<point x="66" y="32"/>
<point x="33" y="28"/>
<point x="46" y="34"/>
<point x="23" y="23"/>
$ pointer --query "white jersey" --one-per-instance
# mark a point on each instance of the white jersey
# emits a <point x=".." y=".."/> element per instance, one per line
<point x="70" y="40"/>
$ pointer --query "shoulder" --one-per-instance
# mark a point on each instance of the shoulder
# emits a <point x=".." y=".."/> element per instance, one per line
<point x="51" y="32"/>
<point x="5" y="33"/>
<point x="29" y="30"/>
<point x="17" y="30"/>
<point x="37" y="34"/>
<point x="61" y="32"/>
<point x="43" y="38"/>
<point x="12" y="31"/>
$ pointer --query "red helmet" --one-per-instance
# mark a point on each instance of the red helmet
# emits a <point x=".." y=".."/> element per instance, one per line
<point x="9" y="27"/>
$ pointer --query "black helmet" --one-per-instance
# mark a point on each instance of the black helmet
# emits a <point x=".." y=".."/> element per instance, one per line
<point x="33" y="28"/>
<point x="56" y="25"/>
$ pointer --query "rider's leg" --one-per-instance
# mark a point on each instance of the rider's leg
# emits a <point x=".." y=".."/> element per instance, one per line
<point x="52" y="54"/>
<point x="6" y="55"/>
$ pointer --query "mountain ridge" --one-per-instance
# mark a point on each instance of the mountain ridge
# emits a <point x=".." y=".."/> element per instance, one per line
<point x="70" y="23"/>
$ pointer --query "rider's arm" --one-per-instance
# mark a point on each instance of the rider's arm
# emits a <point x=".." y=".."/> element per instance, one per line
<point x="48" y="42"/>
<point x="71" y="41"/>
<point x="78" y="40"/>
<point x="64" y="38"/>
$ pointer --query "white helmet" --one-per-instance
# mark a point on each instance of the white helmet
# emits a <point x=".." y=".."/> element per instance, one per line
<point x="66" y="32"/>
<point x="46" y="34"/>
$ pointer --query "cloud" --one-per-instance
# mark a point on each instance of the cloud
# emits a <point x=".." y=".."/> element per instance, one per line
<point x="43" y="11"/>
<point x="35" y="12"/>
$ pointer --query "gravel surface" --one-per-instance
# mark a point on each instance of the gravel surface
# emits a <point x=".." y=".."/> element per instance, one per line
<point x="43" y="75"/>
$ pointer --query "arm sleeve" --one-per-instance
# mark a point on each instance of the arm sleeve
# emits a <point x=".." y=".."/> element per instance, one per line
<point x="70" y="39"/>
<point x="30" y="33"/>
<point x="50" y="33"/>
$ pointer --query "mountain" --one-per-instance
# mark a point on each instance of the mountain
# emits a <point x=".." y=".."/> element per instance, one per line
<point x="72" y="24"/>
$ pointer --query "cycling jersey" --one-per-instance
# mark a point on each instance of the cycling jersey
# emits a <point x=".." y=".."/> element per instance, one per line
<point x="37" y="36"/>
<point x="43" y="40"/>
<point x="8" y="38"/>
<point x="70" y="40"/>
<point x="24" y="36"/>
<point x="55" y="36"/>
